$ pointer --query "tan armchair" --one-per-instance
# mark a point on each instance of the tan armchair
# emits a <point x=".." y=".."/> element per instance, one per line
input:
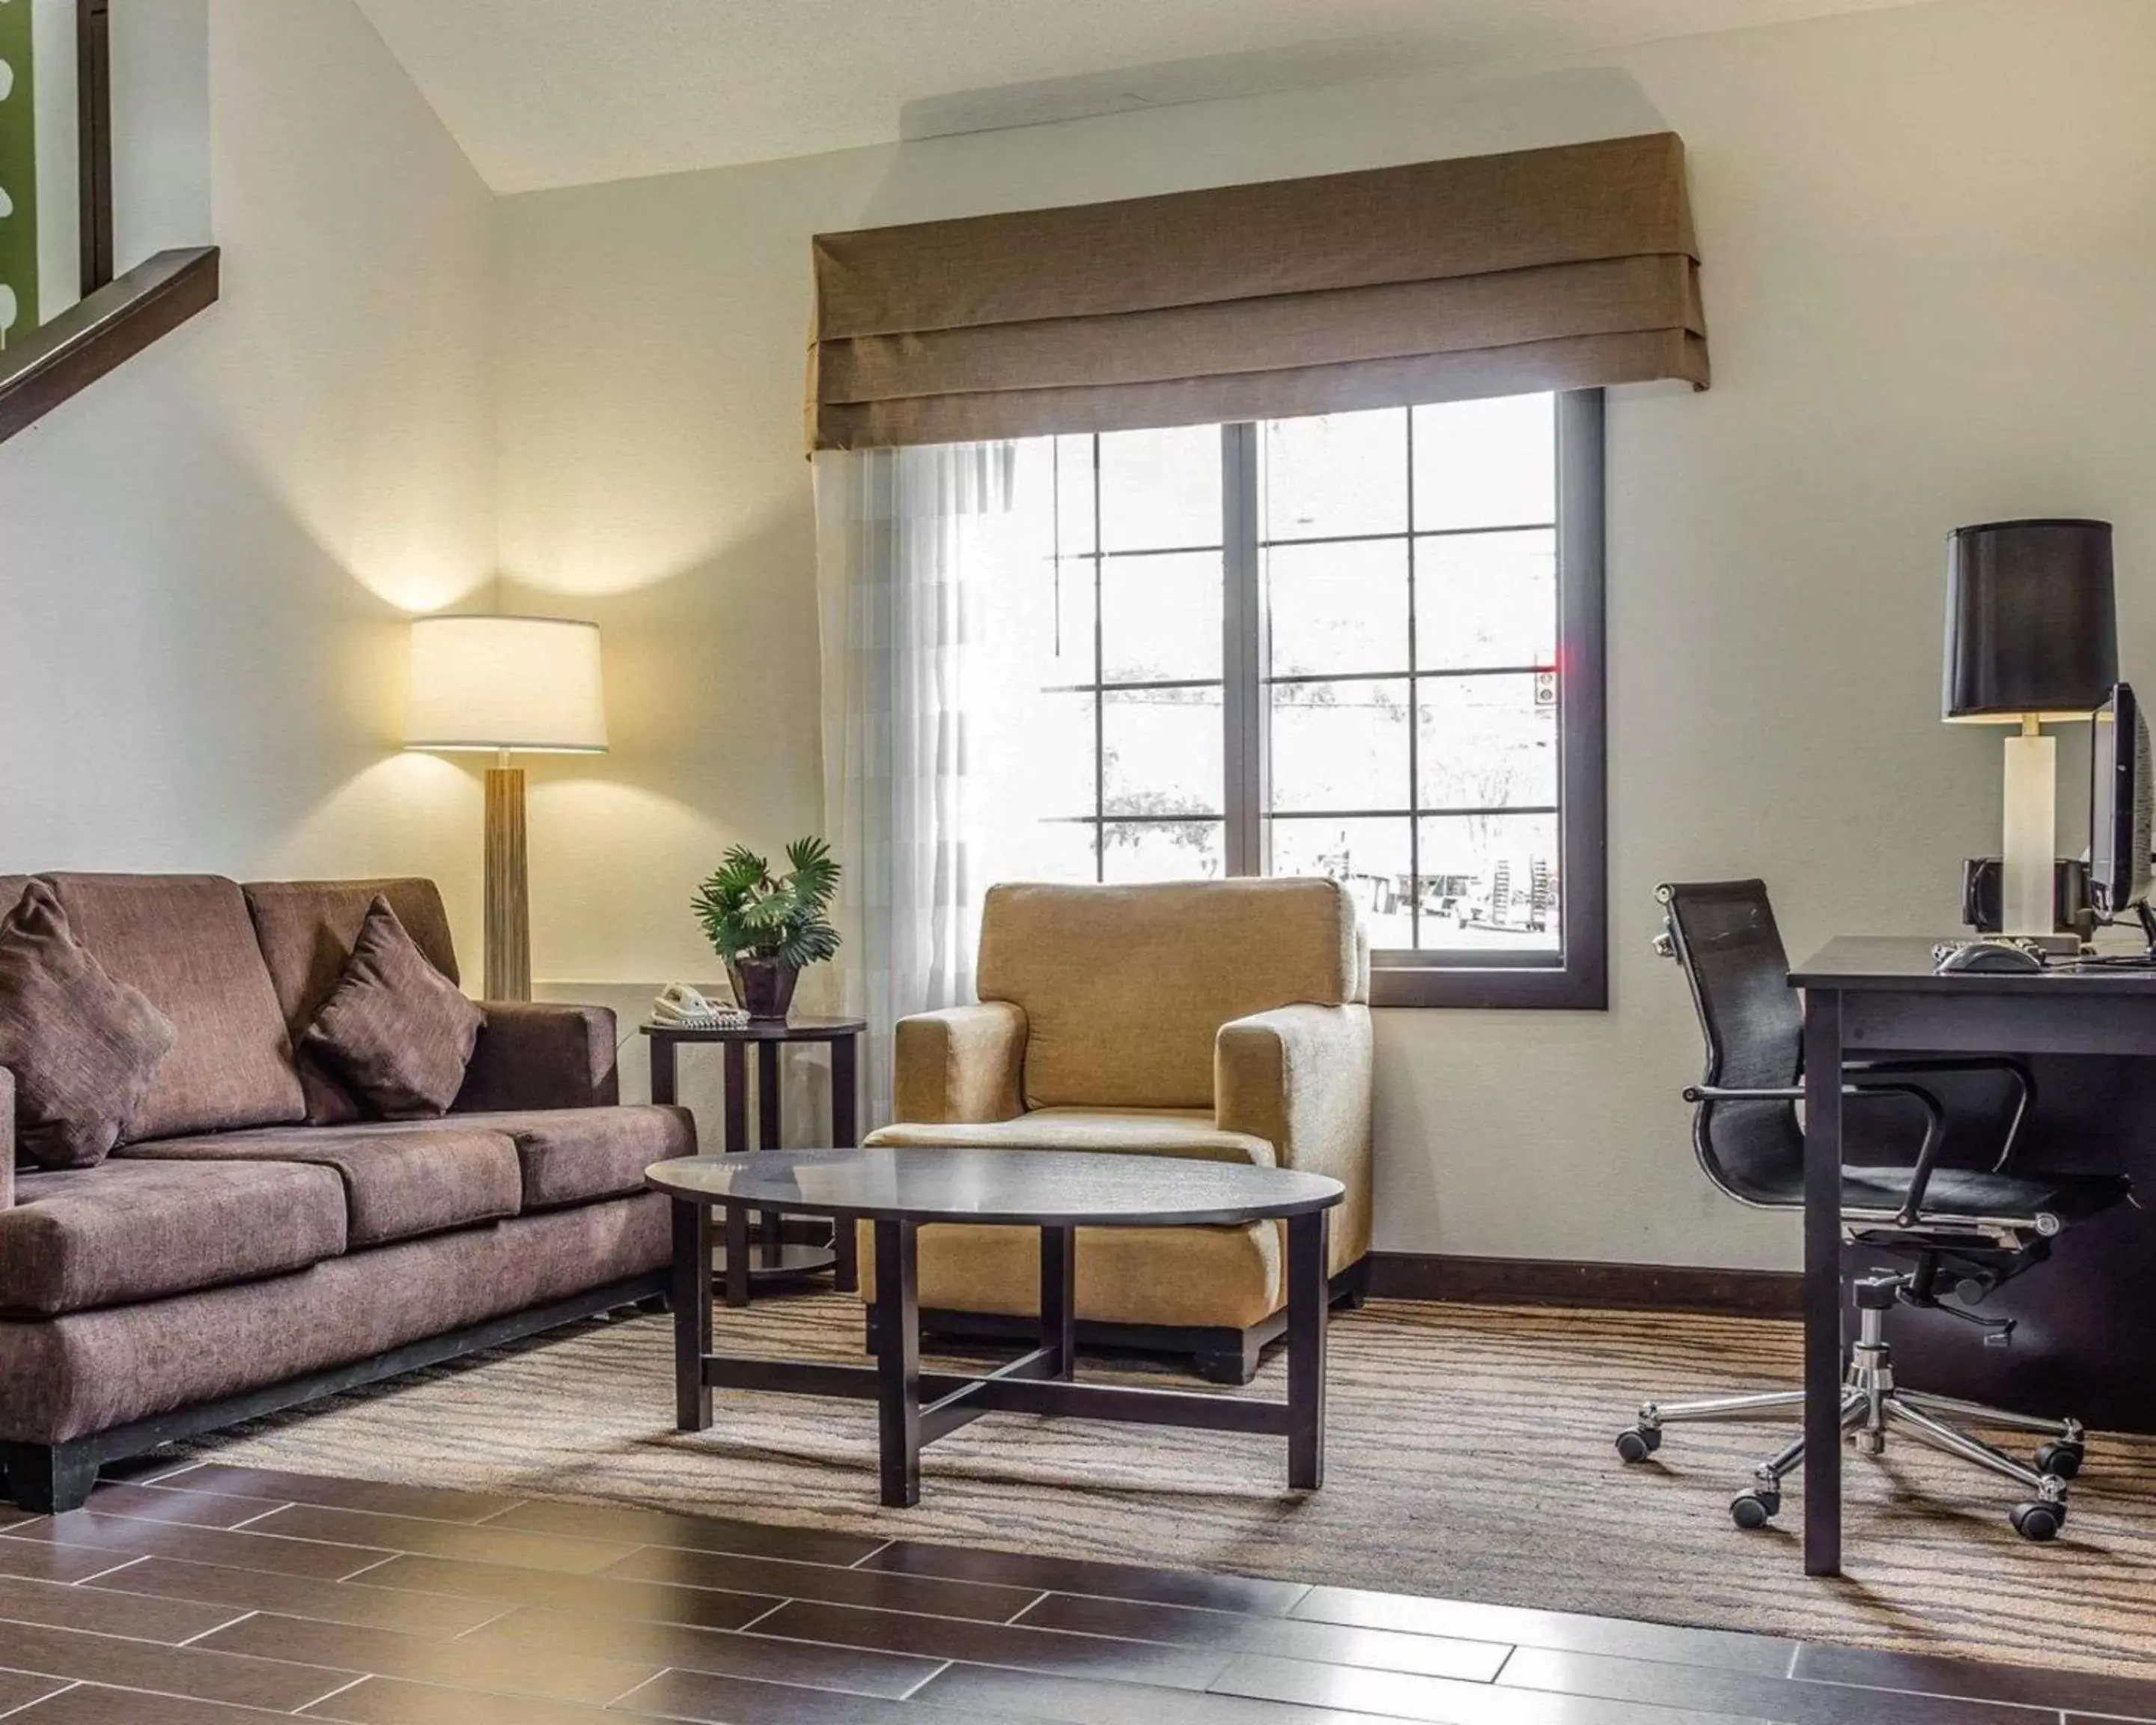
<point x="1220" y="1019"/>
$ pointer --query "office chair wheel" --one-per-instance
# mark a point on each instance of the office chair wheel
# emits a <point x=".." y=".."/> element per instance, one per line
<point x="2064" y="1459"/>
<point x="1639" y="1443"/>
<point x="1755" y="1509"/>
<point x="2039" y="1521"/>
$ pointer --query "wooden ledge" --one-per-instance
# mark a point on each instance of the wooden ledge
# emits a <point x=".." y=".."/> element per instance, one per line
<point x="102" y="331"/>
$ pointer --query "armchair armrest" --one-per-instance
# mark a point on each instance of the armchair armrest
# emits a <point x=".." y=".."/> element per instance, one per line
<point x="6" y="1139"/>
<point x="1300" y="1077"/>
<point x="961" y="1064"/>
<point x="530" y="1055"/>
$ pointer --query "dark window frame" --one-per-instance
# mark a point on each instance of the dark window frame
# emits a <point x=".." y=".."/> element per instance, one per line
<point x="1575" y="976"/>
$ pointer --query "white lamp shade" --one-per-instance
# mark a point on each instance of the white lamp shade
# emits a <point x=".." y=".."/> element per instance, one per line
<point x="529" y="683"/>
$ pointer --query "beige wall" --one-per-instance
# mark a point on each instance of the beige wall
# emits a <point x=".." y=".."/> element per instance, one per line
<point x="203" y="558"/>
<point x="1929" y="266"/>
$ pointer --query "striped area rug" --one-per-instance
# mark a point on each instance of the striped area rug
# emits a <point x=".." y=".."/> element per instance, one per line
<point x="1468" y="1457"/>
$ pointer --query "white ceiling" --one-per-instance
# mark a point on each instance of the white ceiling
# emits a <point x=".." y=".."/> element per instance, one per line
<point x="564" y="92"/>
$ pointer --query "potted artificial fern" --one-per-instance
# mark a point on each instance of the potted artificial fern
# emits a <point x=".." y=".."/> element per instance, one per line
<point x="767" y="927"/>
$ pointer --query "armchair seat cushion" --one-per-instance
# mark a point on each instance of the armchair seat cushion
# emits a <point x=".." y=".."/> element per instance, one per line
<point x="400" y="1181"/>
<point x="128" y="1231"/>
<point x="1130" y="1132"/>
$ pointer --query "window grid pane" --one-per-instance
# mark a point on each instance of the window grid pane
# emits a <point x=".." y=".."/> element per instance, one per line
<point x="1408" y="757"/>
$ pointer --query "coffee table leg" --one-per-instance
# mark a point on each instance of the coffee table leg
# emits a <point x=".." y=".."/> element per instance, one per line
<point x="736" y="1257"/>
<point x="898" y="1362"/>
<point x="1059" y="1297"/>
<point x="1305" y="1350"/>
<point x="692" y="1313"/>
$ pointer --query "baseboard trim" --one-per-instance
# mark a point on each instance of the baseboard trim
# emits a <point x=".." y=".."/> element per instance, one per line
<point x="1555" y="1282"/>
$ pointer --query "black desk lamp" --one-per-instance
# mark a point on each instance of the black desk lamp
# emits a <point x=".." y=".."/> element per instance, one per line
<point x="2032" y="638"/>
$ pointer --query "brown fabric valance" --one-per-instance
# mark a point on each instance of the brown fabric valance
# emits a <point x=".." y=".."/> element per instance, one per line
<point x="1558" y="268"/>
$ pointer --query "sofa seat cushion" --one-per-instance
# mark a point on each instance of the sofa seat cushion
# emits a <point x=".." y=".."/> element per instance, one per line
<point x="399" y="1183"/>
<point x="1129" y="1132"/>
<point x="573" y="1155"/>
<point x="128" y="1231"/>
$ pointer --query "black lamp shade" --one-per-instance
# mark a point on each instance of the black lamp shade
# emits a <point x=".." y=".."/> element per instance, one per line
<point x="2032" y="623"/>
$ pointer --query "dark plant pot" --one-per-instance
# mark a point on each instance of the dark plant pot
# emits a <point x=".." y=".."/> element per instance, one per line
<point x="764" y="987"/>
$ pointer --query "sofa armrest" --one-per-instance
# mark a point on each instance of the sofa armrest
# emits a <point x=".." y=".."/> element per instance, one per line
<point x="530" y="1055"/>
<point x="1300" y="1077"/>
<point x="961" y="1064"/>
<point x="6" y="1139"/>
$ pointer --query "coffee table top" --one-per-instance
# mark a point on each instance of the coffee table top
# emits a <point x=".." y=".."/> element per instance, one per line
<point x="1031" y="1187"/>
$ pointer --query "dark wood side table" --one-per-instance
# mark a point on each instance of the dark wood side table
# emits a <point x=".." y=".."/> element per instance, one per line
<point x="773" y="1257"/>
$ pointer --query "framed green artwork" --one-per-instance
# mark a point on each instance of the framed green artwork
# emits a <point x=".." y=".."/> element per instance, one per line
<point x="18" y="172"/>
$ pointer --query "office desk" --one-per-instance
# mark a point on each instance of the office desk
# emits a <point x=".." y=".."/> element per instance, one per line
<point x="1867" y="995"/>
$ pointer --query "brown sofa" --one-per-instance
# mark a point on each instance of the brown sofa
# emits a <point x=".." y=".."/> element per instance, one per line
<point x="230" y="1258"/>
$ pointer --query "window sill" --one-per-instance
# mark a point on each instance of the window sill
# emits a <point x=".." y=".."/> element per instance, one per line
<point x="1578" y="987"/>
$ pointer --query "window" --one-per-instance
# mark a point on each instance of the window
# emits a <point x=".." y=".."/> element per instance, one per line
<point x="1366" y="646"/>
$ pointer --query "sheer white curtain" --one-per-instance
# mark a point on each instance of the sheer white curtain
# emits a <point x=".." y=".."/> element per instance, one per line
<point x="921" y="557"/>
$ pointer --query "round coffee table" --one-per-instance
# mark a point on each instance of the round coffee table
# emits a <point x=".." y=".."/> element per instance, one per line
<point x="899" y="1191"/>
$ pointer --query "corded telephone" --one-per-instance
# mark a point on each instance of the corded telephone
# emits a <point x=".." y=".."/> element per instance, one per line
<point x="679" y="1007"/>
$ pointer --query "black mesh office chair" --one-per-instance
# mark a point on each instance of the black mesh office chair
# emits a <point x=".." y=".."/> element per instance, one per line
<point x="1966" y="1230"/>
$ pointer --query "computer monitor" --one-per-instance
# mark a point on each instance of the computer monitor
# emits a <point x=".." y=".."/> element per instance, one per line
<point x="2121" y="808"/>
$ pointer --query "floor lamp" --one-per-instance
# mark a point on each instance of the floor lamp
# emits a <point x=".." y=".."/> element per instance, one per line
<point x="2032" y="640"/>
<point x="504" y="685"/>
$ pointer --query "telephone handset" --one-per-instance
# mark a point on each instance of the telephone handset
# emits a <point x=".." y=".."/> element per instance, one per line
<point x="679" y="1007"/>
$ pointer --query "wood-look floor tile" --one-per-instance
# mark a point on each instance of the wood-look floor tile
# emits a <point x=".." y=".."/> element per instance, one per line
<point x="659" y="1526"/>
<point x="882" y="1589"/>
<point x="12" y="1513"/>
<point x="432" y="1503"/>
<point x="1398" y="1695"/>
<point x="93" y="1704"/>
<point x="722" y="1653"/>
<point x="297" y="1596"/>
<point x="739" y="1700"/>
<point x="41" y="1560"/>
<point x="391" y="1701"/>
<point x="176" y="1503"/>
<point x="1564" y="1631"/>
<point x="1783" y="1699"/>
<point x="477" y="1542"/>
<point x="129" y="1536"/>
<point x="1028" y="1648"/>
<point x="495" y="1587"/>
<point x="1291" y="1637"/>
<point x="1077" y="1575"/>
<point x="106" y="1611"/>
<point x="19" y="1689"/>
<point x="551" y="1672"/>
<point x="196" y="1672"/>
<point x="982" y="1689"/>
<point x="2091" y="1691"/>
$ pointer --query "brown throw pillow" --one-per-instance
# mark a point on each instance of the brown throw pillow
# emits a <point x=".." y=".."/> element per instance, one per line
<point x="396" y="1030"/>
<point x="83" y="1046"/>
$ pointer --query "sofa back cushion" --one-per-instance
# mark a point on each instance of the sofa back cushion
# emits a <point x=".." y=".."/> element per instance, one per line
<point x="308" y="929"/>
<point x="1124" y="988"/>
<point x="186" y="942"/>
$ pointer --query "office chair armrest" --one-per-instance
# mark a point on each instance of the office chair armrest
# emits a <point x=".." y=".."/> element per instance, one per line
<point x="2024" y="1086"/>
<point x="1928" y="1156"/>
